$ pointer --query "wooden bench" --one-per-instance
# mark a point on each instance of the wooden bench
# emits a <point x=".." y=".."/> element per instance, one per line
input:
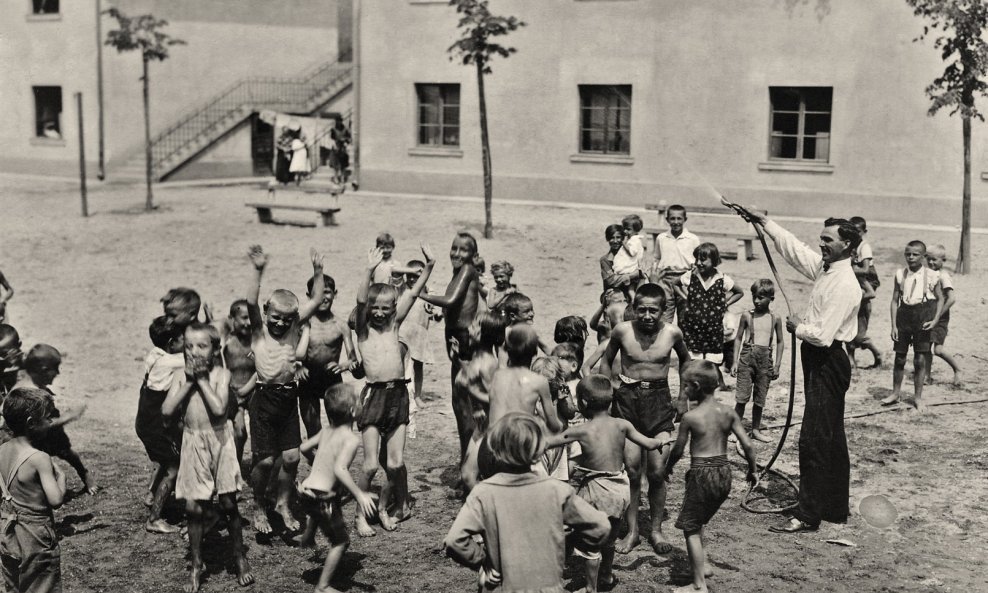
<point x="326" y="212"/>
<point x="745" y="241"/>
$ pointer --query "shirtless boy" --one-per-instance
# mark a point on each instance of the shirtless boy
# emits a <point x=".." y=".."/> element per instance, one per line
<point x="384" y="407"/>
<point x="643" y="398"/>
<point x="600" y="476"/>
<point x="240" y="362"/>
<point x="10" y="357"/>
<point x="321" y="492"/>
<point x="274" y="422"/>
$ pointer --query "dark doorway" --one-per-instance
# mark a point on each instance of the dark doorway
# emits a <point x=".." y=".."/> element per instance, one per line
<point x="261" y="145"/>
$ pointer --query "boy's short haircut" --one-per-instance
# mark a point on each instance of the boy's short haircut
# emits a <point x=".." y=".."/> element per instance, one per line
<point x="550" y="368"/>
<point x="707" y="251"/>
<point x="380" y="290"/>
<point x="917" y="244"/>
<point x="24" y="404"/>
<point x="704" y="373"/>
<point x="571" y="328"/>
<point x="491" y="330"/>
<point x="859" y="221"/>
<point x="237" y="304"/>
<point x="385" y="240"/>
<point x="162" y="332"/>
<point x="595" y="393"/>
<point x="415" y="263"/>
<point x="676" y="208"/>
<point x="9" y="334"/>
<point x="340" y="400"/>
<point x="937" y="250"/>
<point x="569" y="351"/>
<point x="650" y="290"/>
<point x="763" y="286"/>
<point x="503" y="266"/>
<point x="845" y="230"/>
<point x="633" y="221"/>
<point x="471" y="239"/>
<point x="611" y="296"/>
<point x="521" y="344"/>
<point x="285" y="298"/>
<point x="210" y="330"/>
<point x="327" y="281"/>
<point x="183" y="295"/>
<point x="511" y="305"/>
<point x="613" y="229"/>
<point x="41" y="356"/>
<point x="516" y="441"/>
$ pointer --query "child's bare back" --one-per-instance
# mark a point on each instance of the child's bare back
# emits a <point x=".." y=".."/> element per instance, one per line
<point x="709" y="424"/>
<point x="602" y="441"/>
<point x="335" y="443"/>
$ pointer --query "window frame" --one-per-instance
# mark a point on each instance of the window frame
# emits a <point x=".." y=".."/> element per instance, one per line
<point x="441" y="125"/>
<point x="38" y="121"/>
<point x="800" y="134"/>
<point x="580" y="129"/>
<point x="33" y="12"/>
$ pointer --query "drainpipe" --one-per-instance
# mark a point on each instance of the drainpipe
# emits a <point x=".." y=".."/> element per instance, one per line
<point x="355" y="81"/>
<point x="101" y="171"/>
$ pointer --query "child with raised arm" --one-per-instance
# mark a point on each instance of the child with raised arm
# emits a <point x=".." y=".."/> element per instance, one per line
<point x="6" y="293"/>
<point x="459" y="305"/>
<point x="501" y="272"/>
<point x="754" y="369"/>
<point x="41" y="365"/>
<point x="329" y="341"/>
<point x="321" y="492"/>
<point x="917" y="304"/>
<point x="643" y="398"/>
<point x="599" y="476"/>
<point x="415" y="331"/>
<point x="708" y="482"/>
<point x="521" y="517"/>
<point x="209" y="465"/>
<point x="864" y="269"/>
<point x="239" y="360"/>
<point x="273" y="407"/>
<point x="935" y="257"/>
<point x="32" y="488"/>
<point x="383" y="416"/>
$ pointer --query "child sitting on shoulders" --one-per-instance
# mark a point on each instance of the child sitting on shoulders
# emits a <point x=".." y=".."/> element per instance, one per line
<point x="708" y="482"/>
<point x="501" y="271"/>
<point x="321" y="492"/>
<point x="32" y="488"/>
<point x="755" y="369"/>
<point x="936" y="255"/>
<point x="521" y="517"/>
<point x="599" y="476"/>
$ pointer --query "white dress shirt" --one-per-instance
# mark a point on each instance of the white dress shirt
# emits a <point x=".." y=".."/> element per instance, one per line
<point x="676" y="252"/>
<point x="832" y="313"/>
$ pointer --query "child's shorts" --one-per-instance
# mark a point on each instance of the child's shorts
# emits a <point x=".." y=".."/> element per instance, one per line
<point x="327" y="509"/>
<point x="209" y="464"/>
<point x="909" y="320"/>
<point x="755" y="370"/>
<point x="317" y="384"/>
<point x="708" y="483"/>
<point x="938" y="335"/>
<point x="162" y="443"/>
<point x="383" y="406"/>
<point x="646" y="404"/>
<point x="274" y="421"/>
<point x="31" y="556"/>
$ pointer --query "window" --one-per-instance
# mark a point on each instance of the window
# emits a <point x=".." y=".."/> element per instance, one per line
<point x="439" y="114"/>
<point x="44" y="6"/>
<point x="48" y="112"/>
<point x="800" y="123"/>
<point x="605" y="119"/>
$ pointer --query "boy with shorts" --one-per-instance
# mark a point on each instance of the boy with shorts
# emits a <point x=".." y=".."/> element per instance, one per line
<point x="935" y="257"/>
<point x="708" y="482"/>
<point x="383" y="417"/>
<point x="643" y="398"/>
<point x="917" y="303"/>
<point x="274" y="421"/>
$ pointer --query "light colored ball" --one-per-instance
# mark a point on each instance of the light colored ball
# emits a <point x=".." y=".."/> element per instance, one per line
<point x="878" y="511"/>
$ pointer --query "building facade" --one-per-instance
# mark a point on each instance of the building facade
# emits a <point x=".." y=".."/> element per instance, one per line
<point x="811" y="108"/>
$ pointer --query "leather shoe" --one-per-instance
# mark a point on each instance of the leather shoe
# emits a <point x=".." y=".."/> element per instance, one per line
<point x="793" y="526"/>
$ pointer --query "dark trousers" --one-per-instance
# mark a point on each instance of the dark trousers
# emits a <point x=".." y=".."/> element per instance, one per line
<point x="824" y="465"/>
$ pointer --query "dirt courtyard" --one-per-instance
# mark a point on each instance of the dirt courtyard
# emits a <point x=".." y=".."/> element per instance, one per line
<point x="91" y="286"/>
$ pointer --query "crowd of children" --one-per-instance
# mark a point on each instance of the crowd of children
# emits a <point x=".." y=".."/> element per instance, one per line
<point x="531" y="416"/>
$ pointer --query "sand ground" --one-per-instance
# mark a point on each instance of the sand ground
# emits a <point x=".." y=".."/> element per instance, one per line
<point x="91" y="286"/>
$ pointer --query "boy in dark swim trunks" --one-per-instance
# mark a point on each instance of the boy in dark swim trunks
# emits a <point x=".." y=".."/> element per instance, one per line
<point x="708" y="482"/>
<point x="383" y="416"/>
<point x="643" y="398"/>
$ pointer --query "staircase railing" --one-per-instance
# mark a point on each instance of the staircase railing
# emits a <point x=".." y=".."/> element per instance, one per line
<point x="276" y="93"/>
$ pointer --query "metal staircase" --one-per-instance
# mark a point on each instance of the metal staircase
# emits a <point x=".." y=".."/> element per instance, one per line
<point x="204" y="124"/>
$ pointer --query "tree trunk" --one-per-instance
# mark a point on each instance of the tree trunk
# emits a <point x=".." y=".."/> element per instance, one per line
<point x="485" y="154"/>
<point x="149" y="203"/>
<point x="964" y="255"/>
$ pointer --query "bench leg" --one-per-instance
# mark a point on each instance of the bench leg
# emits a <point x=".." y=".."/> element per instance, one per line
<point x="328" y="219"/>
<point x="264" y="215"/>
<point x="749" y="250"/>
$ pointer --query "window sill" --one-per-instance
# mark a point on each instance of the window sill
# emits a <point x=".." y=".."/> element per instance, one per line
<point x="428" y="1"/>
<point x="602" y="159"/>
<point x="435" y="151"/>
<point x="47" y="142"/>
<point x="797" y="167"/>
<point x="44" y="17"/>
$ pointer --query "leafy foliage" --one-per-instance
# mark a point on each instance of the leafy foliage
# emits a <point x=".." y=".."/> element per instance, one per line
<point x="958" y="26"/>
<point x="142" y="32"/>
<point x="478" y="26"/>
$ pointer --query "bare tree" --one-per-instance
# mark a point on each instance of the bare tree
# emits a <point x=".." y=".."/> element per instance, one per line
<point x="142" y="33"/>
<point x="474" y="47"/>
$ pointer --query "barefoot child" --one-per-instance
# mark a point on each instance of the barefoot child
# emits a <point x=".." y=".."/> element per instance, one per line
<point x="274" y="420"/>
<point x="864" y="269"/>
<point x="917" y="303"/>
<point x="935" y="256"/>
<point x="600" y="477"/>
<point x="383" y="416"/>
<point x="520" y="517"/>
<point x="209" y="465"/>
<point x="754" y="368"/>
<point x="32" y="488"/>
<point x="321" y="492"/>
<point x="239" y="360"/>
<point x="643" y="398"/>
<point x="415" y="331"/>
<point x="41" y="366"/>
<point x="708" y="482"/>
